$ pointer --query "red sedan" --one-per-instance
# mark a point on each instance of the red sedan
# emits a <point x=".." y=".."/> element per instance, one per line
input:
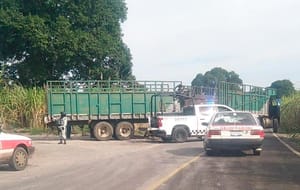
<point x="15" y="150"/>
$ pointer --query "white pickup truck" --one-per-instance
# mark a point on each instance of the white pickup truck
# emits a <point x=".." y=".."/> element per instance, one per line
<point x="188" y="123"/>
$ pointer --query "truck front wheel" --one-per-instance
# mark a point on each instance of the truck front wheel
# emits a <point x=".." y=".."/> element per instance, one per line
<point x="124" y="130"/>
<point x="103" y="131"/>
<point x="275" y="125"/>
<point x="179" y="135"/>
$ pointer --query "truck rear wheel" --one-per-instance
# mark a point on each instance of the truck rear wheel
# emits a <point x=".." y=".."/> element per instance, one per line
<point x="103" y="131"/>
<point x="179" y="135"/>
<point x="124" y="130"/>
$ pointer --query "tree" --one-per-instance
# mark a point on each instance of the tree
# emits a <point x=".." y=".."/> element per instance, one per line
<point x="199" y="80"/>
<point x="283" y="87"/>
<point x="47" y="40"/>
<point x="214" y="76"/>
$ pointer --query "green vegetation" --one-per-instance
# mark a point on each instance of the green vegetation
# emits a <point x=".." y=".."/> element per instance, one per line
<point x="55" y="39"/>
<point x="22" y="108"/>
<point x="290" y="114"/>
<point x="284" y="87"/>
<point x="214" y="76"/>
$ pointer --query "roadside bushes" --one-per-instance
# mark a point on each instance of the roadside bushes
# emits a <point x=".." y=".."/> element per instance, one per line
<point x="290" y="114"/>
<point x="22" y="107"/>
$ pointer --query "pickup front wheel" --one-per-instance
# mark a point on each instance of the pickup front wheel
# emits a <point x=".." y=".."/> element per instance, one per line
<point x="179" y="135"/>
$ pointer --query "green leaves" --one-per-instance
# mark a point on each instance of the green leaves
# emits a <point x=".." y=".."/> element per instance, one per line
<point x="283" y="87"/>
<point x="214" y="76"/>
<point x="290" y="114"/>
<point x="42" y="40"/>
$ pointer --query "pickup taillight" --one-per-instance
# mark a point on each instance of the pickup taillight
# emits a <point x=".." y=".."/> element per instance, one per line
<point x="261" y="133"/>
<point x="159" y="122"/>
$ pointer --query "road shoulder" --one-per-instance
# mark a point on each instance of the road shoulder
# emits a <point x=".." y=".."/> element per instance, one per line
<point x="293" y="143"/>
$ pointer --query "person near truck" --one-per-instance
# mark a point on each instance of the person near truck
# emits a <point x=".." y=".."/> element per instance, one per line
<point x="62" y="128"/>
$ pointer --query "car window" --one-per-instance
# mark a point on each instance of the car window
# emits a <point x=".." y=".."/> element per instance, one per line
<point x="207" y="110"/>
<point x="233" y="118"/>
<point x="221" y="109"/>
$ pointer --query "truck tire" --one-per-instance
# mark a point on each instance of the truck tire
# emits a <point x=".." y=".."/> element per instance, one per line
<point x="179" y="135"/>
<point x="209" y="152"/>
<point x="103" y="131"/>
<point x="124" y="130"/>
<point x="275" y="125"/>
<point x="19" y="159"/>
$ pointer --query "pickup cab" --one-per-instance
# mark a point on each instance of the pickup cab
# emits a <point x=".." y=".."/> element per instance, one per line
<point x="188" y="123"/>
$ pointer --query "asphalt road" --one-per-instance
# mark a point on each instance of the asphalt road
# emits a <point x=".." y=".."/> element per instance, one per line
<point x="150" y="164"/>
<point x="277" y="168"/>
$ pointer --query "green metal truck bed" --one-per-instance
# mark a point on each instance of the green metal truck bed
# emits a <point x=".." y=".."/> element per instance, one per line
<point x="241" y="97"/>
<point x="245" y="97"/>
<point x="97" y="100"/>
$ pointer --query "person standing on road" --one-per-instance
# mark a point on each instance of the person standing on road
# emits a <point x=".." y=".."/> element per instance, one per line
<point x="62" y="128"/>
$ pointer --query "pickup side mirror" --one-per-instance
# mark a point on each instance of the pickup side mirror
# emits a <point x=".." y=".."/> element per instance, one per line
<point x="205" y="124"/>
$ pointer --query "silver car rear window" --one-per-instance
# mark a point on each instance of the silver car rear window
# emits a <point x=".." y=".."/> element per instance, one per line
<point x="233" y="118"/>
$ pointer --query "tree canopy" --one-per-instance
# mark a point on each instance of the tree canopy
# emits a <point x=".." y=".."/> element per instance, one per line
<point x="48" y="40"/>
<point x="284" y="87"/>
<point x="214" y="76"/>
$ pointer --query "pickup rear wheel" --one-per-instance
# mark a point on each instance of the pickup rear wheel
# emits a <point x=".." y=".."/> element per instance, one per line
<point x="179" y="135"/>
<point x="103" y="131"/>
<point x="124" y="130"/>
<point x="19" y="159"/>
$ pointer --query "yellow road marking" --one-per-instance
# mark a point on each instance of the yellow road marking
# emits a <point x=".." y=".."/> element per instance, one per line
<point x="166" y="178"/>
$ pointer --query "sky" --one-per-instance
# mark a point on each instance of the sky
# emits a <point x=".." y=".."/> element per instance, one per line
<point x="176" y="40"/>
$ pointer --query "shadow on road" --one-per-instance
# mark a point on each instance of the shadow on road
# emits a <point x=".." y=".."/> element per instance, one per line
<point x="159" y="140"/>
<point x="230" y="153"/>
<point x="5" y="168"/>
<point x="191" y="152"/>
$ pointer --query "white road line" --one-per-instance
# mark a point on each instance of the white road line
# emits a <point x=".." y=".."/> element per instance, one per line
<point x="288" y="146"/>
<point x="166" y="178"/>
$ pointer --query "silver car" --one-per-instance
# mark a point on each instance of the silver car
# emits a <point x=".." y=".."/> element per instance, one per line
<point x="234" y="131"/>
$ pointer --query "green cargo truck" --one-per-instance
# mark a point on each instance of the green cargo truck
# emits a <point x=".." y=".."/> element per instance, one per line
<point x="110" y="108"/>
<point x="262" y="102"/>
